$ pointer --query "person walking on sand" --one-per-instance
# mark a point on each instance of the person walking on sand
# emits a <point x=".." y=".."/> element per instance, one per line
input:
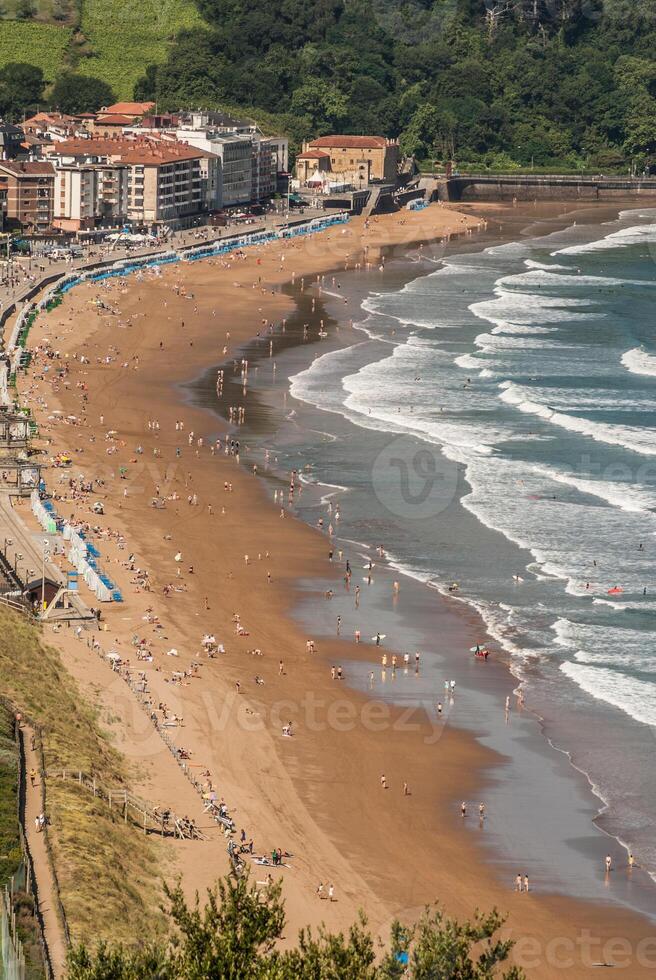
<point x="33" y="777"/>
<point x="518" y="883"/>
<point x="331" y="893"/>
<point x="525" y="883"/>
<point x="320" y="893"/>
<point x="383" y="781"/>
<point x="406" y="791"/>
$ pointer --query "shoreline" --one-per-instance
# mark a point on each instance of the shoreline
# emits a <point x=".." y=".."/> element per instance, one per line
<point x="600" y="805"/>
<point x="329" y="309"/>
<point x="154" y="386"/>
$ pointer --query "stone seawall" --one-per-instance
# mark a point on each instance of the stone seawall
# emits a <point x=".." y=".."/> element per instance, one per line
<point x="508" y="188"/>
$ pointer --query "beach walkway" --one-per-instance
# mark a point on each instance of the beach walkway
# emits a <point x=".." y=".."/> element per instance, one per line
<point x="37" y="841"/>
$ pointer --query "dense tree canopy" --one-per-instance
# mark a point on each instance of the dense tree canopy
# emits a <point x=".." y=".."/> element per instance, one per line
<point x="236" y="935"/>
<point x="543" y="82"/>
<point x="80" y="93"/>
<point x="21" y="89"/>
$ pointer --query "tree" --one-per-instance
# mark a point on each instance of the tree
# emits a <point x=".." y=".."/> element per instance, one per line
<point x="323" y="104"/>
<point x="80" y="93"/>
<point x="236" y="935"/>
<point x="25" y="10"/>
<point x="21" y="87"/>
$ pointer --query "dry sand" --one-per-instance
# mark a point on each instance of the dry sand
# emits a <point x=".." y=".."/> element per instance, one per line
<point x="318" y="794"/>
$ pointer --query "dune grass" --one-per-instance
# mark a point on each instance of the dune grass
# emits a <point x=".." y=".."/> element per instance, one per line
<point x="108" y="871"/>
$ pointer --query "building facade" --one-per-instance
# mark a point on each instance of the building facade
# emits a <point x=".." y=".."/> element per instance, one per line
<point x="235" y="153"/>
<point x="90" y="196"/>
<point x="353" y="160"/>
<point x="28" y="189"/>
<point x="166" y="183"/>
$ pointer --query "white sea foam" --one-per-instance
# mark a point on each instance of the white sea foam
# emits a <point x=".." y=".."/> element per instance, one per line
<point x="635" y="235"/>
<point x="532" y="264"/>
<point x="512" y="306"/>
<point x="522" y="328"/>
<point x="638" y="361"/>
<point x="642" y="441"/>
<point x="635" y="697"/>
<point x="542" y="277"/>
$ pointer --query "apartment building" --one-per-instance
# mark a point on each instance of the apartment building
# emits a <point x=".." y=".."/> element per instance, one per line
<point x="235" y="153"/>
<point x="270" y="158"/>
<point x="28" y="190"/>
<point x="166" y="182"/>
<point x="90" y="196"/>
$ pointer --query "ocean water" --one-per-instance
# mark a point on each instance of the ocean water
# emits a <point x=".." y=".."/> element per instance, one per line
<point x="501" y="411"/>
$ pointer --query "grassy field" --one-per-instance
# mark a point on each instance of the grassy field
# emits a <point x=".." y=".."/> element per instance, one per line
<point x="108" y="872"/>
<point x="121" y="37"/>
<point x="43" y="45"/>
<point x="140" y="35"/>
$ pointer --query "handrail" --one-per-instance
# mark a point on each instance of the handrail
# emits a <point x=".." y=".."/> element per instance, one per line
<point x="125" y="799"/>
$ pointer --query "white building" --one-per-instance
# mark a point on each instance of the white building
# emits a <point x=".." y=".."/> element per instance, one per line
<point x="90" y="195"/>
<point x="165" y="182"/>
<point x="236" y="155"/>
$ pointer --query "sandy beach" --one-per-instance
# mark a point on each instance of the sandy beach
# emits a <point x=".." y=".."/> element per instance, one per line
<point x="318" y="794"/>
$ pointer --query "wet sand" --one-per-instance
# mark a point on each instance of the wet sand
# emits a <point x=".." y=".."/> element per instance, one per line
<point x="317" y="794"/>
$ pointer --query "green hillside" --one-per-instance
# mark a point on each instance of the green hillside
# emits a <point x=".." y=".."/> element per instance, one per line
<point x="503" y="84"/>
<point x="125" y="36"/>
<point x="114" y="40"/>
<point x="43" y="45"/>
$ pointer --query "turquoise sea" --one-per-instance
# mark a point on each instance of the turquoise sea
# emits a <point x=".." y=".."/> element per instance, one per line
<point x="517" y="389"/>
<point x="490" y="420"/>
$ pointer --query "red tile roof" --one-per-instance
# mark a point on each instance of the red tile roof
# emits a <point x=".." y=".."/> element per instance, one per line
<point x="48" y="117"/>
<point x="29" y="168"/>
<point x="139" y="151"/>
<point x="115" y="119"/>
<point x="351" y="142"/>
<point x="128" y="108"/>
<point x="313" y="155"/>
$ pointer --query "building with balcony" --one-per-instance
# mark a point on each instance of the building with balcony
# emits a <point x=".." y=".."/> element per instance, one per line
<point x="235" y="153"/>
<point x="28" y="188"/>
<point x="167" y="183"/>
<point x="90" y="196"/>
